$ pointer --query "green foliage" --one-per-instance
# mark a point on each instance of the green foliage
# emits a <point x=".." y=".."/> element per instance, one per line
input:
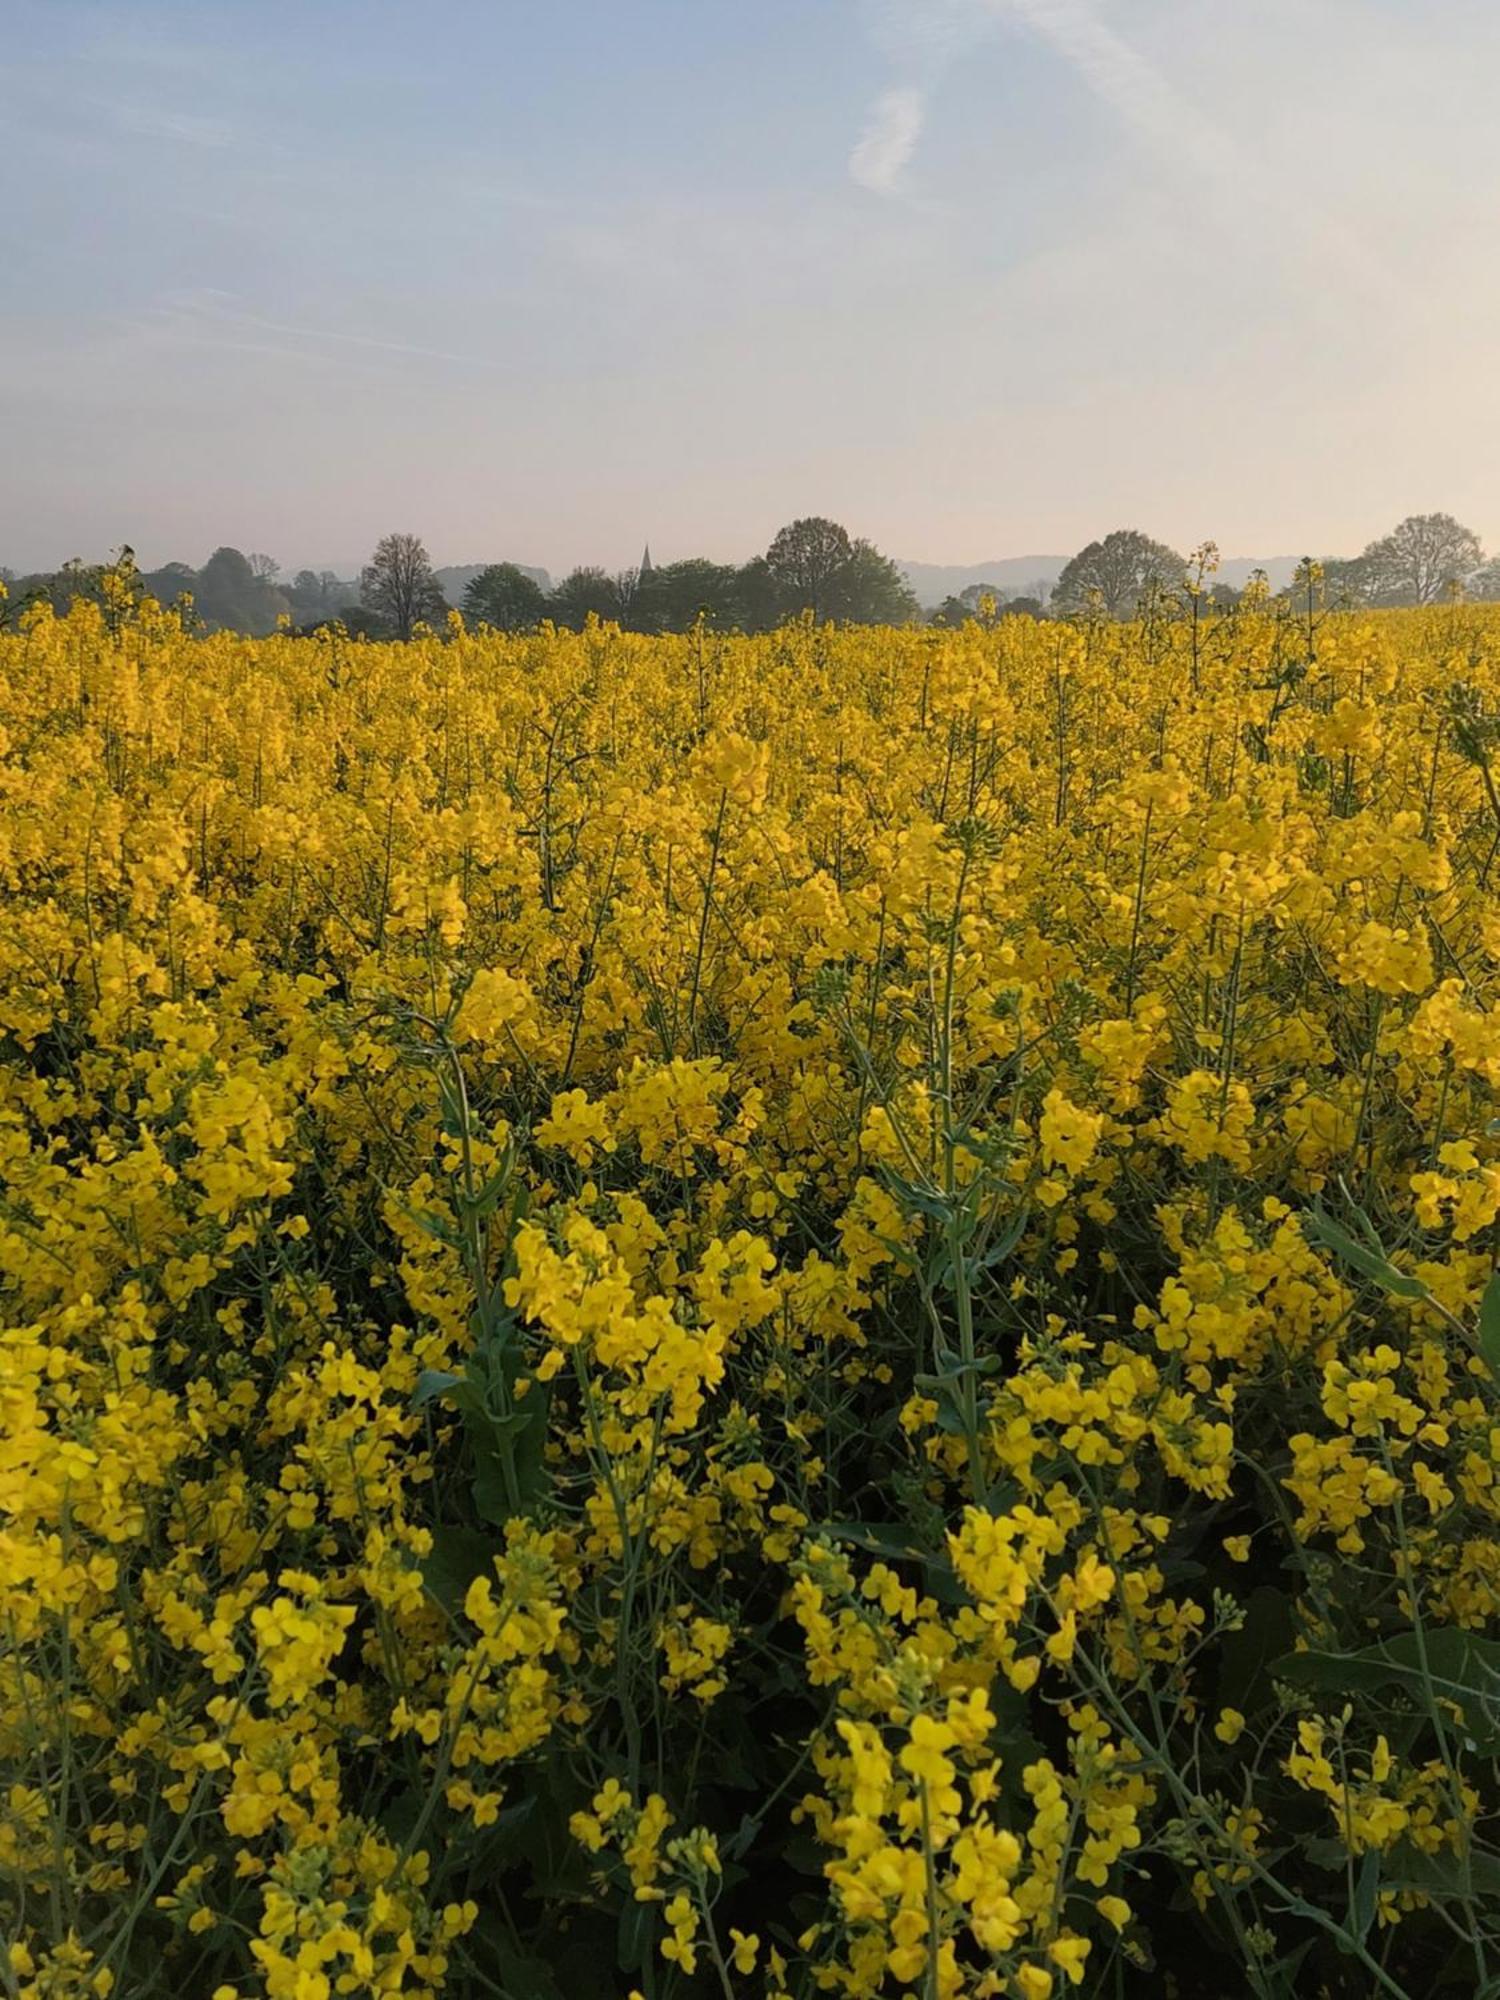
<point x="504" y="596"/>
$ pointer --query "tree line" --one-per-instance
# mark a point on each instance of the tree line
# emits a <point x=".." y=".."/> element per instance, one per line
<point x="813" y="566"/>
<point x="1423" y="559"/>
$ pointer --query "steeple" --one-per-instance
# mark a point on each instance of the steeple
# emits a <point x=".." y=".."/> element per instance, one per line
<point x="646" y="565"/>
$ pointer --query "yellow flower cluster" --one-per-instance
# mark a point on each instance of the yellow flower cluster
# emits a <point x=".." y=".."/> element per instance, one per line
<point x="791" y="1315"/>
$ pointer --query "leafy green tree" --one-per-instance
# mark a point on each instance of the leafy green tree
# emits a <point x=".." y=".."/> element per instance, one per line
<point x="60" y="587"/>
<point x="758" y="596"/>
<point x="589" y="590"/>
<point x="231" y="597"/>
<point x="804" y="559"/>
<point x="317" y="594"/>
<point x="982" y="602"/>
<point x="868" y="589"/>
<point x="1119" y="571"/>
<point x="671" y="597"/>
<point x="504" y="596"/>
<point x="1342" y="583"/>
<point x="398" y="585"/>
<point x="1420" y="558"/>
<point x="815" y="566"/>
<point x="172" y="581"/>
<point x="358" y="620"/>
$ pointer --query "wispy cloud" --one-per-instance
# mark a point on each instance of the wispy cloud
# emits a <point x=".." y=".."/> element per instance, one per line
<point x="889" y="139"/>
<point x="921" y="39"/>
<point x="1122" y="78"/>
<point x="182" y="127"/>
<point x="212" y="314"/>
<point x="1181" y="133"/>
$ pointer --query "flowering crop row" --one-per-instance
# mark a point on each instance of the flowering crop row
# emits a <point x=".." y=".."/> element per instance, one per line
<point x="750" y="1316"/>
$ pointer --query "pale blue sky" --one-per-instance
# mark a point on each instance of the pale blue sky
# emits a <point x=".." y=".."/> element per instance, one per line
<point x="980" y="277"/>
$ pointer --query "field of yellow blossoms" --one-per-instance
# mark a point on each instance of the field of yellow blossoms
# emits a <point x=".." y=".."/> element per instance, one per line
<point x="750" y="1316"/>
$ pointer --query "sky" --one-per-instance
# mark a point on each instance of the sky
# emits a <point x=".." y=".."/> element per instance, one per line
<point x="543" y="281"/>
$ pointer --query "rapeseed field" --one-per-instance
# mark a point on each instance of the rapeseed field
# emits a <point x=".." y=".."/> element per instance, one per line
<point x="768" y="1316"/>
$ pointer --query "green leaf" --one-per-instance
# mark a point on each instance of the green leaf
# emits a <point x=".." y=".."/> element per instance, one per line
<point x="1441" y="1875"/>
<point x="947" y="1381"/>
<point x="522" y="1976"/>
<point x="1267" y="1633"/>
<point x="900" y="1252"/>
<point x="1324" y="1231"/>
<point x="457" y="1556"/>
<point x="530" y="1447"/>
<point x="636" y="1925"/>
<point x="1366" y="1890"/>
<point x="879" y="1540"/>
<point x="509" y="1457"/>
<point x="1489" y="1326"/>
<point x="432" y="1383"/>
<point x="1285" y="1969"/>
<point x="437" y="1226"/>
<point x="462" y="1391"/>
<point x="1005" y="1243"/>
<point x="1461" y="1667"/>
<point x="742" y="1839"/>
<point x="931" y="1202"/>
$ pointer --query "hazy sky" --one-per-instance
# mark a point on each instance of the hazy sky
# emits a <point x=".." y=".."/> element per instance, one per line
<point x="979" y="277"/>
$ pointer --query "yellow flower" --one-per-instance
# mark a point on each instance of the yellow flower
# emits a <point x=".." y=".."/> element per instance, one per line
<point x="744" y="1950"/>
<point x="1071" y="1954"/>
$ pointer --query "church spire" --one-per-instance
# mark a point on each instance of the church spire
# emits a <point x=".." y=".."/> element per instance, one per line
<point x="646" y="563"/>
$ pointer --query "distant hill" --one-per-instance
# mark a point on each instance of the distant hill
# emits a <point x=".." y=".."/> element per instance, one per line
<point x="455" y="580"/>
<point x="1019" y="576"/>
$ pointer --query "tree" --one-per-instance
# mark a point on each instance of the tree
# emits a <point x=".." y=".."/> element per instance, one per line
<point x="1121" y="570"/>
<point x="230" y="597"/>
<point x="311" y="594"/>
<point x="757" y="596"/>
<point x="356" y="619"/>
<point x="952" y="613"/>
<point x="398" y="585"/>
<point x="671" y="597"/>
<point x="61" y="587"/>
<point x="814" y="566"/>
<point x="1346" y="584"/>
<point x="868" y="589"/>
<point x="171" y="582"/>
<point x="265" y="568"/>
<point x="804" y="559"/>
<point x="1417" y="561"/>
<point x="504" y="596"/>
<point x="318" y="595"/>
<point x="1485" y="582"/>
<point x="455" y="578"/>
<point x="587" y="591"/>
<point x="981" y="602"/>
